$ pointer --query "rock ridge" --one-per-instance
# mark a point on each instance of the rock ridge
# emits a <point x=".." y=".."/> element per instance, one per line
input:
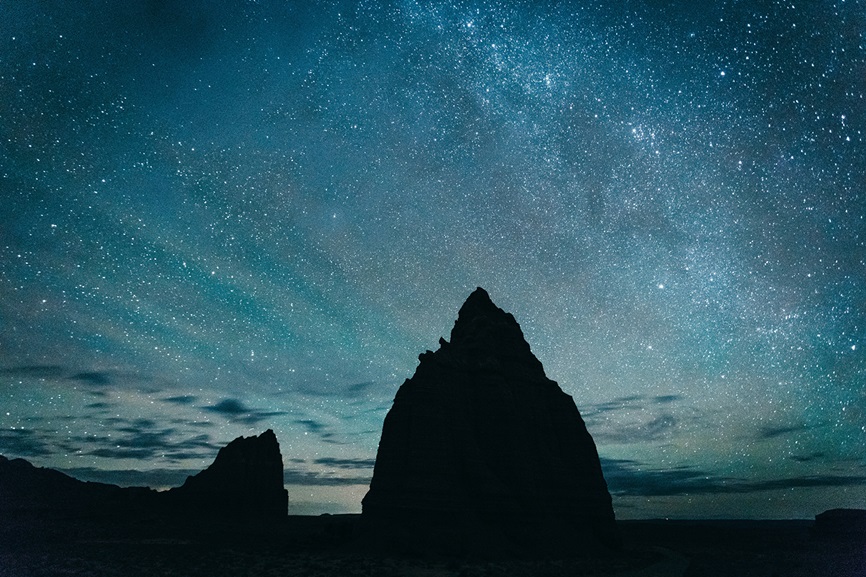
<point x="245" y="481"/>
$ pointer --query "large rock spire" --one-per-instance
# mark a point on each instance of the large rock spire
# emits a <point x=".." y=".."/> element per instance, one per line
<point x="482" y="452"/>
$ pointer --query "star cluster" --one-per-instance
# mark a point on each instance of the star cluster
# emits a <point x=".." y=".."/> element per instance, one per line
<point x="221" y="217"/>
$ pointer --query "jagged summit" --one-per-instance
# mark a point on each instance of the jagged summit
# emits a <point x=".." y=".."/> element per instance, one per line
<point x="480" y="314"/>
<point x="478" y="303"/>
<point x="484" y="333"/>
<point x="244" y="462"/>
<point x="245" y="479"/>
<point x="481" y="451"/>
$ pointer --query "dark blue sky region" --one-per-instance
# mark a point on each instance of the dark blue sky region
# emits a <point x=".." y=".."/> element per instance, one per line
<point x="223" y="217"/>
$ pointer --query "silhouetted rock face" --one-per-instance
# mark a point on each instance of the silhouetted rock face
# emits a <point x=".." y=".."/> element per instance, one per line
<point x="246" y="480"/>
<point x="841" y="524"/>
<point x="25" y="489"/>
<point x="482" y="453"/>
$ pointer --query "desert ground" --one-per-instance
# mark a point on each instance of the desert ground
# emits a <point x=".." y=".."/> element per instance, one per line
<point x="323" y="546"/>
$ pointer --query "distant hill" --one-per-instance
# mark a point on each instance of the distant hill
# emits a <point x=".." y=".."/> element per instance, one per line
<point x="245" y="480"/>
<point x="28" y="489"/>
<point x="841" y="524"/>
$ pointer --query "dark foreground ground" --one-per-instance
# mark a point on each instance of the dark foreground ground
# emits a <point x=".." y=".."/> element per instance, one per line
<point x="322" y="546"/>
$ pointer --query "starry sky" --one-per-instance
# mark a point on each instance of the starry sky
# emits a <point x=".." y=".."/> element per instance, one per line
<point x="218" y="217"/>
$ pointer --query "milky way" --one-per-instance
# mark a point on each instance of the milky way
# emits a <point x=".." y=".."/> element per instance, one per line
<point x="222" y="217"/>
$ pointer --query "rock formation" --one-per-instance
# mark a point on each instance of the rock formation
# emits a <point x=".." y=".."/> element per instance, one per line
<point x="245" y="480"/>
<point x="837" y="524"/>
<point x="482" y="453"/>
<point x="29" y="490"/>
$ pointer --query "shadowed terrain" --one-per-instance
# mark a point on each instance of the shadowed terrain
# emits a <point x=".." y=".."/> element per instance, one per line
<point x="320" y="546"/>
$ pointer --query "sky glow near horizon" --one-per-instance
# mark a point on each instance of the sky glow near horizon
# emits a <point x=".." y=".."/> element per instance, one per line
<point x="223" y="217"/>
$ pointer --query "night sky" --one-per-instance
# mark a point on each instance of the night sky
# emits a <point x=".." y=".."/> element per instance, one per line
<point x="221" y="217"/>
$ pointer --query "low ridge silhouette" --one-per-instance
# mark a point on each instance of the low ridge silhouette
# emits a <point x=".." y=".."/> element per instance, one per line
<point x="245" y="482"/>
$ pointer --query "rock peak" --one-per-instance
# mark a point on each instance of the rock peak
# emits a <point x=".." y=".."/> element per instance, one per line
<point x="479" y="304"/>
<point x="267" y="438"/>
<point x="478" y="301"/>
<point x="483" y="331"/>
<point x="481" y="452"/>
<point x="246" y="478"/>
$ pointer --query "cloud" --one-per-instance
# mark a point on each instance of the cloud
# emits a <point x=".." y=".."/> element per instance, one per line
<point x="147" y="440"/>
<point x="235" y="411"/>
<point x="771" y="432"/>
<point x="656" y="427"/>
<point x="139" y="424"/>
<point x="651" y="430"/>
<point x="34" y="371"/>
<point x="321" y="430"/>
<point x="311" y="425"/>
<point x="98" y="405"/>
<point x="228" y="407"/>
<point x="363" y="464"/>
<point x="313" y="478"/>
<point x="23" y="443"/>
<point x="805" y="481"/>
<point x="359" y="388"/>
<point x="181" y="400"/>
<point x="618" y="404"/>
<point x="627" y="477"/>
<point x="123" y="453"/>
<point x="98" y="378"/>
<point x="630" y="402"/>
<point x="330" y="438"/>
<point x="807" y="458"/>
<point x="143" y="440"/>
<point x="94" y="379"/>
<point x="631" y="478"/>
